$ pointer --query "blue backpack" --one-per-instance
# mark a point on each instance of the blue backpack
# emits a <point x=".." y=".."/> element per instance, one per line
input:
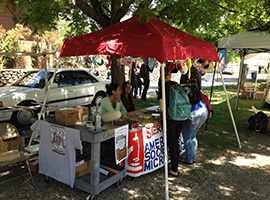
<point x="179" y="107"/>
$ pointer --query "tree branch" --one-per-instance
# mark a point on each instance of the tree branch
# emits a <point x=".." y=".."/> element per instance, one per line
<point x="145" y="4"/>
<point x="95" y="12"/>
<point x="118" y="14"/>
<point x="227" y="9"/>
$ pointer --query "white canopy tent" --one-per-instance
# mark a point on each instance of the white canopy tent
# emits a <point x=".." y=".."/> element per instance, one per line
<point x="248" y="42"/>
<point x="258" y="59"/>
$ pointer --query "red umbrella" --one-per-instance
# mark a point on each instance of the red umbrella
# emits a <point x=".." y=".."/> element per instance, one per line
<point x="154" y="39"/>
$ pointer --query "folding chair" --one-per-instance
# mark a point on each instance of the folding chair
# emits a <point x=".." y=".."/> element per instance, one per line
<point x="249" y="88"/>
<point x="11" y="149"/>
<point x="32" y="149"/>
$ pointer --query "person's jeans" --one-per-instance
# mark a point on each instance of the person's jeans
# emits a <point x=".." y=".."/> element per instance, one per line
<point x="134" y="84"/>
<point x="191" y="127"/>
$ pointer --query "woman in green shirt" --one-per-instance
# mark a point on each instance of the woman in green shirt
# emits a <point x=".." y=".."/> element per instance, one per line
<point x="113" y="100"/>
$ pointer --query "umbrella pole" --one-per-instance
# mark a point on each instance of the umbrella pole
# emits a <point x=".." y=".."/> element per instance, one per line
<point x="229" y="107"/>
<point x="164" y="130"/>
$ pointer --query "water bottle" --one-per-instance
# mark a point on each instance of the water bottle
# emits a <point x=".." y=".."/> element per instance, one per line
<point x="93" y="113"/>
<point x="98" y="123"/>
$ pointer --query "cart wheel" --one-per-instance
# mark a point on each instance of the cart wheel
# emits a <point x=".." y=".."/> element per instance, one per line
<point x="119" y="182"/>
<point x="47" y="179"/>
<point x="91" y="197"/>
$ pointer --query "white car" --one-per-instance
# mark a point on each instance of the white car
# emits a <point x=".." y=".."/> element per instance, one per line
<point x="228" y="70"/>
<point x="22" y="100"/>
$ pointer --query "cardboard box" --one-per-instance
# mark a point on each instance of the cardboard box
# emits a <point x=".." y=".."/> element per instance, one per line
<point x="259" y="95"/>
<point x="83" y="169"/>
<point x="71" y="116"/>
<point x="11" y="144"/>
<point x="34" y="166"/>
<point x="83" y="113"/>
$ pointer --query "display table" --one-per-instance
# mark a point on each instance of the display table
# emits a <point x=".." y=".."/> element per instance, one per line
<point x="146" y="144"/>
<point x="95" y="182"/>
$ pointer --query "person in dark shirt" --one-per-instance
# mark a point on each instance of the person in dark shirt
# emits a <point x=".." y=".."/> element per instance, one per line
<point x="134" y="79"/>
<point x="144" y="72"/>
<point x="126" y="97"/>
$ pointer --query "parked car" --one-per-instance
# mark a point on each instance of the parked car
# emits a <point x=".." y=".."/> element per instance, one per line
<point x="71" y="87"/>
<point x="228" y="70"/>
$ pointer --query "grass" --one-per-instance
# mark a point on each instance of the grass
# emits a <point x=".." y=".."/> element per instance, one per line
<point x="220" y="137"/>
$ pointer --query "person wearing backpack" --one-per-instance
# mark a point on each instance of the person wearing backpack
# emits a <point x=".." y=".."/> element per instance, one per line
<point x="175" y="115"/>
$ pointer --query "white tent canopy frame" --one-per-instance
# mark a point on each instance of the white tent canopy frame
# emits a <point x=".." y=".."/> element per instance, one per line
<point x="18" y="53"/>
<point x="44" y="54"/>
<point x="246" y="43"/>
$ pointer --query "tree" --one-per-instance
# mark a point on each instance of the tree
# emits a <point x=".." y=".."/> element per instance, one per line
<point x="207" y="19"/>
<point x="11" y="41"/>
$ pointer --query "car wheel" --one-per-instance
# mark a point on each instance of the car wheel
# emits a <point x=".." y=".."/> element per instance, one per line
<point x="22" y="117"/>
<point x="99" y="96"/>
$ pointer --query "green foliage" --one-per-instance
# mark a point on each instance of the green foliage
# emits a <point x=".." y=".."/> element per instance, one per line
<point x="207" y="19"/>
<point x="40" y="15"/>
<point x="11" y="43"/>
<point x="2" y="4"/>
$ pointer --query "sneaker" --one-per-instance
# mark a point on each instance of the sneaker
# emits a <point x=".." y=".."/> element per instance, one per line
<point x="183" y="161"/>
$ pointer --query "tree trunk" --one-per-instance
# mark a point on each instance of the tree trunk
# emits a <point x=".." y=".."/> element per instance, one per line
<point x="118" y="71"/>
<point x="243" y="76"/>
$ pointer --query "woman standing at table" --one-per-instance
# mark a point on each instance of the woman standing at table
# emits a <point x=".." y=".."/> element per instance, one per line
<point x="126" y="97"/>
<point x="174" y="128"/>
<point x="113" y="100"/>
<point x="200" y="111"/>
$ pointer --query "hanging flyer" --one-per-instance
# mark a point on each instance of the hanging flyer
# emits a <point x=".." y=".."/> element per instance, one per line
<point x="121" y="142"/>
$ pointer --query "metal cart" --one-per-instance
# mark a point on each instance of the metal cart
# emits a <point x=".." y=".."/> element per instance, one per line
<point x="95" y="182"/>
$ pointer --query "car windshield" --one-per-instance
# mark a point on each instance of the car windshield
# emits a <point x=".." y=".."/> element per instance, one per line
<point x="34" y="80"/>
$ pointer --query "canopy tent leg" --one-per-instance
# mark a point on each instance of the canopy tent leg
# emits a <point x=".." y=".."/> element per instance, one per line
<point x="165" y="131"/>
<point x="256" y="81"/>
<point x="211" y="93"/>
<point x="229" y="107"/>
<point x="240" y="77"/>
<point x="243" y="53"/>
<point x="42" y="111"/>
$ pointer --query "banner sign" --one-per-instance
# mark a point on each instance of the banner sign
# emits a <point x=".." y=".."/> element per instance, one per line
<point x="146" y="150"/>
<point x="223" y="58"/>
<point x="121" y="141"/>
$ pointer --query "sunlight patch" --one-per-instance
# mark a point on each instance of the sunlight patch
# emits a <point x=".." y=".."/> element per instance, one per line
<point x="252" y="161"/>
<point x="226" y="190"/>
<point x="218" y="161"/>
<point x="133" y="192"/>
<point x="4" y="173"/>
